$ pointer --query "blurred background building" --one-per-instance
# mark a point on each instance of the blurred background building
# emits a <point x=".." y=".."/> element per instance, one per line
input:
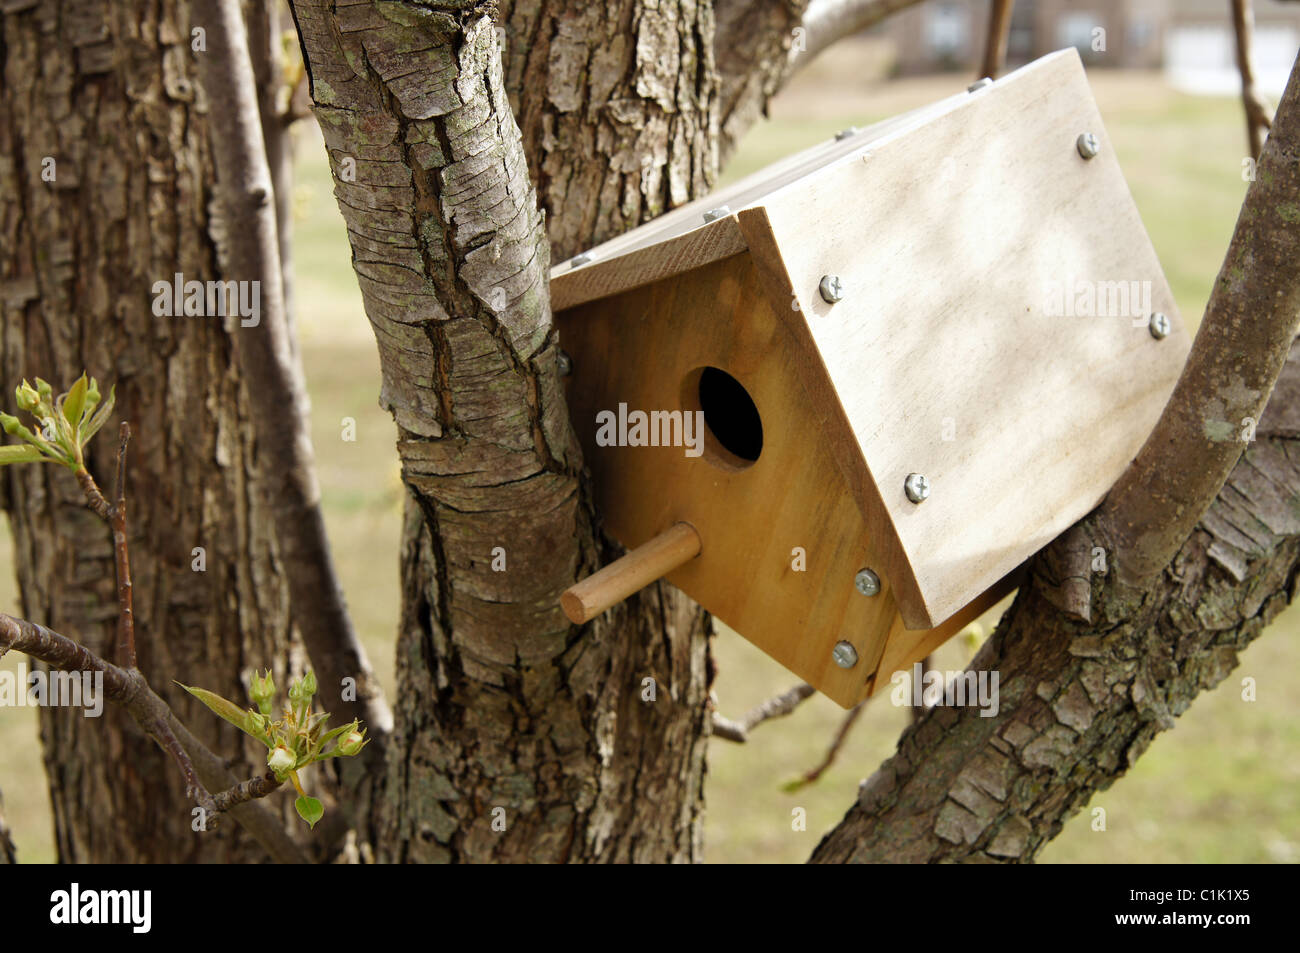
<point x="1192" y="41"/>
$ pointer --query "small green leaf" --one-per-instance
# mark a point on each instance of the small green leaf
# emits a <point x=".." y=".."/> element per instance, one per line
<point x="14" y="428"/>
<point x="99" y="417"/>
<point x="310" y="810"/>
<point x="18" y="454"/>
<point x="330" y="736"/>
<point x="74" y="401"/>
<point x="226" y="709"/>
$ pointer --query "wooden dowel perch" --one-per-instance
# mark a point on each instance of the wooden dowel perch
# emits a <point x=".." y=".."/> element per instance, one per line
<point x="653" y="560"/>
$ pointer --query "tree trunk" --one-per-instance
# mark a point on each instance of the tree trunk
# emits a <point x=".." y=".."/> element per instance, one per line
<point x="109" y="93"/>
<point x="617" y="103"/>
<point x="517" y="735"/>
<point x="8" y="854"/>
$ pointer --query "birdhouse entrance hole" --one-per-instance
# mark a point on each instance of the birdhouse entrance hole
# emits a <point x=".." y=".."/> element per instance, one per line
<point x="733" y="437"/>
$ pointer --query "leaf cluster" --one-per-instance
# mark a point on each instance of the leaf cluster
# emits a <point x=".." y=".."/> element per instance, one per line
<point x="294" y="741"/>
<point x="64" y="424"/>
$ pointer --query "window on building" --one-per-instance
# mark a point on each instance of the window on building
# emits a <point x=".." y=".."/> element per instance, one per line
<point x="947" y="26"/>
<point x="1075" y="29"/>
<point x="1140" y="33"/>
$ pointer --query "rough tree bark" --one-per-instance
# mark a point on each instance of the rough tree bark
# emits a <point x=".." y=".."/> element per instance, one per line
<point x="108" y="92"/>
<point x="501" y="703"/>
<point x="8" y="854"/>
<point x="616" y="104"/>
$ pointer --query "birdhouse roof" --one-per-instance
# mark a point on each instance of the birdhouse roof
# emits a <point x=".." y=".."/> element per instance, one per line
<point x="993" y="333"/>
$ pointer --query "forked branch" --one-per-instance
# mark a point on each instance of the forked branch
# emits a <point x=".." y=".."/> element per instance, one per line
<point x="128" y="688"/>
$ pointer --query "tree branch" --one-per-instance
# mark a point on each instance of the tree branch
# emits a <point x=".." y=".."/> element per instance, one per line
<point x="828" y="21"/>
<point x="774" y="707"/>
<point x="995" y="43"/>
<point x="249" y="790"/>
<point x="757" y="50"/>
<point x="1258" y="121"/>
<point x="267" y="57"/>
<point x="274" y="379"/>
<point x="129" y="689"/>
<point x="1238" y="353"/>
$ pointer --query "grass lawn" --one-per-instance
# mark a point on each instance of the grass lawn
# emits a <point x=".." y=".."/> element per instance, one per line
<point x="1224" y="786"/>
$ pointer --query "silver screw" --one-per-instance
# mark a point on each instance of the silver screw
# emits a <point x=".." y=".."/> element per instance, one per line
<point x="1159" y="325"/>
<point x="713" y="214"/>
<point x="845" y="655"/>
<point x="867" y="582"/>
<point x="564" y="363"/>
<point x="832" y="288"/>
<point x="917" y="487"/>
<point x="1087" y="145"/>
<point x="577" y="260"/>
<point x="979" y="84"/>
<point x="845" y="133"/>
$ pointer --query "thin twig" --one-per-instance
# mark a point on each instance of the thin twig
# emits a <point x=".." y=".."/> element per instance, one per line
<point x="1258" y="121"/>
<point x="919" y="710"/>
<point x="841" y="734"/>
<point x="94" y="498"/>
<point x="775" y="707"/>
<point x="122" y="560"/>
<point x="129" y="689"/>
<point x="995" y="44"/>
<point x="248" y="790"/>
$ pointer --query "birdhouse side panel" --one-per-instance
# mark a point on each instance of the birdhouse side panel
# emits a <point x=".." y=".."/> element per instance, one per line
<point x="994" y="341"/>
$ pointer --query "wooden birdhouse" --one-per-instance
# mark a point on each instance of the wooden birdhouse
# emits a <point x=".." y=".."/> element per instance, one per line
<point x="918" y="353"/>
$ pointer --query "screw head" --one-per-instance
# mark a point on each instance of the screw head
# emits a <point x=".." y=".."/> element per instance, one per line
<point x="713" y="214"/>
<point x="867" y="582"/>
<point x="831" y="288"/>
<point x="1088" y="145"/>
<point x="845" y="655"/>
<point x="979" y="84"/>
<point x="917" y="487"/>
<point x="577" y="260"/>
<point x="563" y="363"/>
<point x="1159" y="325"/>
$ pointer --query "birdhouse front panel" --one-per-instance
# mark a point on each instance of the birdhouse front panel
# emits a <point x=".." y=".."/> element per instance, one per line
<point x="920" y="351"/>
<point x="783" y="537"/>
